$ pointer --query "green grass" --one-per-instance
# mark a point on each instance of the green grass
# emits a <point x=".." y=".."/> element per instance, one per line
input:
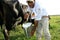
<point x="55" y="27"/>
<point x="18" y="34"/>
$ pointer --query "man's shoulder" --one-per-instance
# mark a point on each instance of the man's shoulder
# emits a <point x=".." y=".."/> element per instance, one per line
<point x="37" y="4"/>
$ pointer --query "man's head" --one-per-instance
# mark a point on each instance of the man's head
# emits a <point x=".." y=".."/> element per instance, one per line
<point x="31" y="3"/>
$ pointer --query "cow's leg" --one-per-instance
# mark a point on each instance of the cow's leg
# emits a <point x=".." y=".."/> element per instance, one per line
<point x="1" y="26"/>
<point x="6" y="34"/>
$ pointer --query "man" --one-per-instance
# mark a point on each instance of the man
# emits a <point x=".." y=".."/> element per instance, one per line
<point x="40" y="20"/>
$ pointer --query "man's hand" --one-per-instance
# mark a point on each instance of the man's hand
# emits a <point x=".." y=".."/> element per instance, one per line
<point x="26" y="16"/>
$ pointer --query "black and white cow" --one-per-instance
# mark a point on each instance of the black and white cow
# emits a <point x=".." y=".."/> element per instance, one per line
<point x="10" y="15"/>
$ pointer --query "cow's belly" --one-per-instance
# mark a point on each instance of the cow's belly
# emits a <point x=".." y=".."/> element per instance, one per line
<point x="9" y="22"/>
<point x="1" y="21"/>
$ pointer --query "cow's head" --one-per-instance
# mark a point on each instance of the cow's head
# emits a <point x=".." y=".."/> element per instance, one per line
<point x="24" y="8"/>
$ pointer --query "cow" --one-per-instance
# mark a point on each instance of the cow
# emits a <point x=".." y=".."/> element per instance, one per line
<point x="11" y="15"/>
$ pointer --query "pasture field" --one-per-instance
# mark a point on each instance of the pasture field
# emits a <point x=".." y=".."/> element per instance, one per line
<point x="18" y="33"/>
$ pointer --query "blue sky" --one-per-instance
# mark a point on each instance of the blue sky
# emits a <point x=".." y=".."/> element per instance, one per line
<point x="52" y="6"/>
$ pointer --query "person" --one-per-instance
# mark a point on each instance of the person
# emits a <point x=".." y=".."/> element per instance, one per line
<point x="40" y="16"/>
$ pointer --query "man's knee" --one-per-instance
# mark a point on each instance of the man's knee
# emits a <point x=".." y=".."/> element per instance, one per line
<point x="47" y="35"/>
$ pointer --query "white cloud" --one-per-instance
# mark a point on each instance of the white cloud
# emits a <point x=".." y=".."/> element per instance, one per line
<point x="52" y="6"/>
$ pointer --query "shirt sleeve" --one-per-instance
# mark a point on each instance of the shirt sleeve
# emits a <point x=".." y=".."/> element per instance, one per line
<point x="38" y="14"/>
<point x="44" y="12"/>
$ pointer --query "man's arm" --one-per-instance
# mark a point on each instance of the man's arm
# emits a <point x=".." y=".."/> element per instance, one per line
<point x="34" y="27"/>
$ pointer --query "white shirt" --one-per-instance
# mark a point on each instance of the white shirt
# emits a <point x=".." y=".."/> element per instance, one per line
<point x="38" y="11"/>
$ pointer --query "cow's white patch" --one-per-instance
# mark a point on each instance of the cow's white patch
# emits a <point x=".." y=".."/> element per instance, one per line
<point x="14" y="8"/>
